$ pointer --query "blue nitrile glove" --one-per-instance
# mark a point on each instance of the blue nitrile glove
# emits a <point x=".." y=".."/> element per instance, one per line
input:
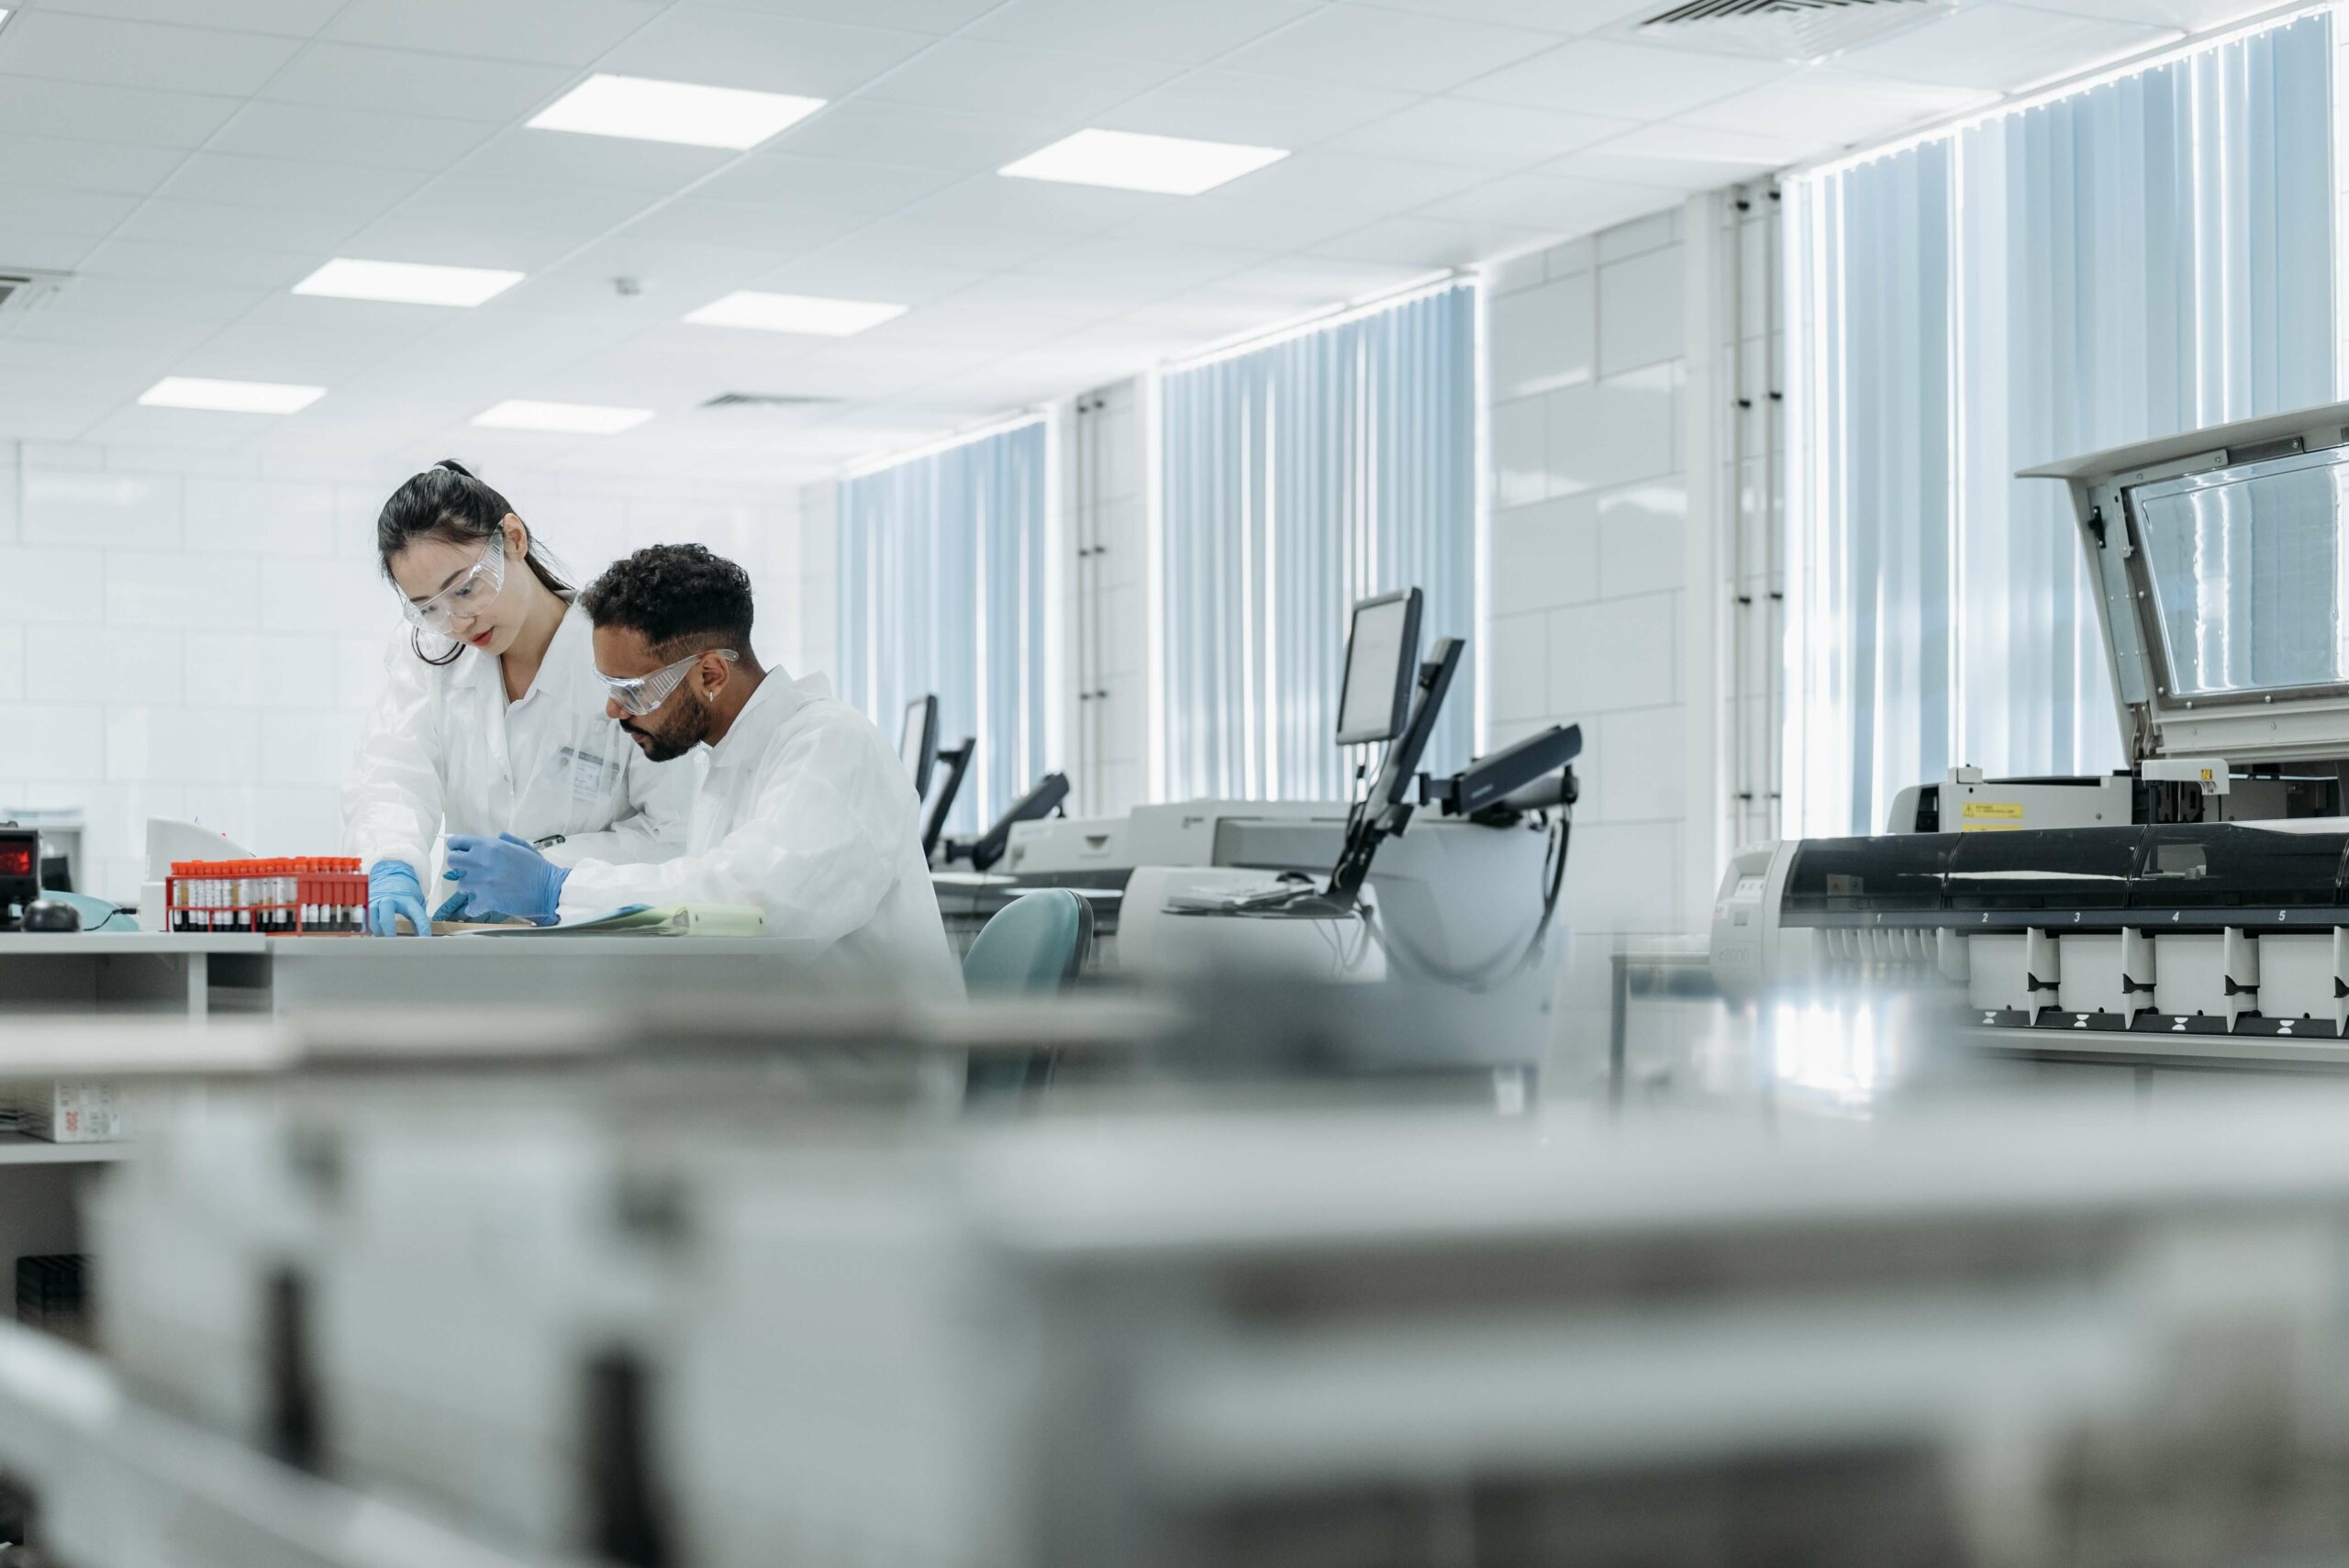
<point x="453" y="909"/>
<point x="506" y="872"/>
<point x="392" y="892"/>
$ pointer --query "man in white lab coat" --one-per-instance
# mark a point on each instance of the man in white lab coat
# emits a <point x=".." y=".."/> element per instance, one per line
<point x="806" y="810"/>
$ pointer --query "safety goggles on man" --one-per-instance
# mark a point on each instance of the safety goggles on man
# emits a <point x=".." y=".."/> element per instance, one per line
<point x="645" y="693"/>
<point x="466" y="599"/>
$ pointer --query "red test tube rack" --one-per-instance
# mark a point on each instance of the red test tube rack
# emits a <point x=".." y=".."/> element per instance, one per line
<point x="297" y="896"/>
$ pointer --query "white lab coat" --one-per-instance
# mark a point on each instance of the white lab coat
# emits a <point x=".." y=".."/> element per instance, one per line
<point x="808" y="813"/>
<point x="444" y="751"/>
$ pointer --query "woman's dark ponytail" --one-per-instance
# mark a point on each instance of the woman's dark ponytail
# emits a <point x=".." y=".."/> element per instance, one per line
<point x="446" y="502"/>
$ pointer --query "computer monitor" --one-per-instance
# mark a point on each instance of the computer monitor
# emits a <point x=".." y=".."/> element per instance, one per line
<point x="1382" y="656"/>
<point x="917" y="742"/>
<point x="936" y="808"/>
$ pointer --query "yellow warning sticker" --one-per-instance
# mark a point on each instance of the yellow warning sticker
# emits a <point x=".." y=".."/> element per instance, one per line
<point x="1989" y="816"/>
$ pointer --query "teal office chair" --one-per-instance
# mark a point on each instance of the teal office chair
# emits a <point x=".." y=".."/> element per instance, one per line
<point x="1034" y="945"/>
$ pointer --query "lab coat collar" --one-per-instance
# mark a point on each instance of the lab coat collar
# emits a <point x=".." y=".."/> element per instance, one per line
<point x="477" y="668"/>
<point x="778" y="697"/>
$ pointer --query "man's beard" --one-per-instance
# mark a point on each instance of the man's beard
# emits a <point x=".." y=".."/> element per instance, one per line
<point x="686" y="730"/>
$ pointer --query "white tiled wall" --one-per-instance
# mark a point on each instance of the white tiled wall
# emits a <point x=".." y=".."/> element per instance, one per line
<point x="1104" y="477"/>
<point x="193" y="639"/>
<point x="1589" y="566"/>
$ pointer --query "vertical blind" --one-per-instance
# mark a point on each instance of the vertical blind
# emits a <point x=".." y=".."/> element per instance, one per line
<point x="2149" y="255"/>
<point x="941" y="590"/>
<point x="1298" y="478"/>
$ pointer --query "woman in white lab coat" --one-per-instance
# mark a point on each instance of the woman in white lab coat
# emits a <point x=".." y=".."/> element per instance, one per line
<point x="491" y="716"/>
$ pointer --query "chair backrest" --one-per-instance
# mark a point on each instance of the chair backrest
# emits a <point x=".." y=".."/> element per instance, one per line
<point x="1036" y="942"/>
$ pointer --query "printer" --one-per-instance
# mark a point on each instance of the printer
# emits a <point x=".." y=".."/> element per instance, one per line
<point x="2203" y="891"/>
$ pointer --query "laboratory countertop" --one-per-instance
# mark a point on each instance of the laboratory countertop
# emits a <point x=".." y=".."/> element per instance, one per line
<point x="407" y="949"/>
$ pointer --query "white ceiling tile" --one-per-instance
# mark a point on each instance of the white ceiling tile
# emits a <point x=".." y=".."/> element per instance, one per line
<point x="1692" y="150"/>
<point x="54" y="47"/>
<point x="302" y="355"/>
<point x="294" y="19"/>
<point x="1204" y="316"/>
<point x="399" y="81"/>
<point x="177" y="261"/>
<point x="349" y="135"/>
<point x="1047" y="206"/>
<point x="776" y="231"/>
<point x="603" y="162"/>
<point x="1373" y="48"/>
<point x="917" y="15"/>
<point x="1255" y="110"/>
<point x="1552" y="204"/>
<point x="1151" y="263"/>
<point x="725" y="47"/>
<point x="1994" y="45"/>
<point x="176" y="428"/>
<point x="1188" y="33"/>
<point x="1626" y="80"/>
<point x="1685" y="175"/>
<point x="959" y="244"/>
<point x="292" y="229"/>
<point x="469" y="207"/>
<point x="1275" y="227"/>
<point x="1348" y="180"/>
<point x="86" y="165"/>
<point x="413" y="234"/>
<point x="671" y="279"/>
<point x="1829" y="107"/>
<point x="2193" y="16"/>
<point x="1011" y="78"/>
<point x="912" y="278"/>
<point x="1428" y="243"/>
<point x="150" y="297"/>
<point x="1498" y="136"/>
<point x="1549" y="15"/>
<point x="60" y="320"/>
<point x="353" y="192"/>
<point x="553" y="32"/>
<point x="921" y="138"/>
<point x="1312" y="281"/>
<point x="86" y="111"/>
<point x="51" y="248"/>
<point x="28" y="210"/>
<point x="831" y="184"/>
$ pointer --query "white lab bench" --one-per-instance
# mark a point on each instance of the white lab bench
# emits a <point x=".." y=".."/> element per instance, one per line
<point x="205" y="975"/>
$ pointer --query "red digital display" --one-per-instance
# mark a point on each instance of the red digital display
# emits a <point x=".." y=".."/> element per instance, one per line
<point x="15" y="857"/>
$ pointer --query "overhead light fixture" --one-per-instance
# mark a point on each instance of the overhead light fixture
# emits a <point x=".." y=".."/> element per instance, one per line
<point x="229" y="396"/>
<point x="795" y="313"/>
<point x="646" y="110"/>
<point x="406" y="283"/>
<point x="566" y="418"/>
<point x="1168" y="165"/>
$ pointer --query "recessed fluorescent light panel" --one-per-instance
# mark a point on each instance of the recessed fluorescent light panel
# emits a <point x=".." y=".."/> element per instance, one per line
<point x="566" y="418"/>
<point x="1168" y="165"/>
<point x="229" y="396"/>
<point x="406" y="283"/>
<point x="795" y="313"/>
<point x="646" y="110"/>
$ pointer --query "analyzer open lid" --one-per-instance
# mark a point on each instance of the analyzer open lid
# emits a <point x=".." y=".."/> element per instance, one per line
<point x="2221" y="559"/>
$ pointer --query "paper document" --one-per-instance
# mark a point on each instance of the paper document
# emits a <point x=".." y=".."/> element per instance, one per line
<point x="646" y="921"/>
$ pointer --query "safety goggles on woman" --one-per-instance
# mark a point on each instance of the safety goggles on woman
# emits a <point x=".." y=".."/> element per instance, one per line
<point x="465" y="599"/>
<point x="645" y="693"/>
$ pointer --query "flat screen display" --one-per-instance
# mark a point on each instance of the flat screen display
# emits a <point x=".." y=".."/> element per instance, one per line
<point x="1379" y="658"/>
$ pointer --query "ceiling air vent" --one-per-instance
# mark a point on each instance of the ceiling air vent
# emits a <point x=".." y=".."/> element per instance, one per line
<point x="765" y="400"/>
<point x="22" y="288"/>
<point x="1785" y="29"/>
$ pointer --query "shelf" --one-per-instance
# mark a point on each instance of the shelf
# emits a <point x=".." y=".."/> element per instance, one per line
<point x="23" y="1148"/>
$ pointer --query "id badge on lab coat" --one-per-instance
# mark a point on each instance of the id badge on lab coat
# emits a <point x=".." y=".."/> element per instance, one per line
<point x="583" y="779"/>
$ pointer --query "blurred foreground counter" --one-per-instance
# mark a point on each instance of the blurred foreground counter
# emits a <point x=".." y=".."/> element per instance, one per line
<point x="209" y="975"/>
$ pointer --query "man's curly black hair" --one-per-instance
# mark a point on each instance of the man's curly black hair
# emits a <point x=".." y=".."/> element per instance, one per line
<point x="674" y="594"/>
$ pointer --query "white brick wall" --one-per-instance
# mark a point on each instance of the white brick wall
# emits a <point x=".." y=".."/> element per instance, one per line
<point x="192" y="635"/>
<point x="1589" y="566"/>
<point x="1104" y="477"/>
